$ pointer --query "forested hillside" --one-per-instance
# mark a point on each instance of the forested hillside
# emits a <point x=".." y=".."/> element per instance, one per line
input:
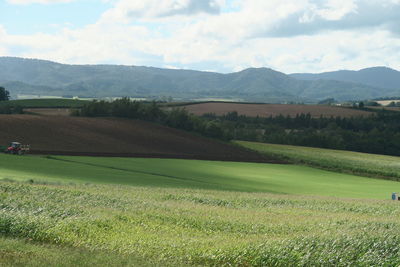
<point x="38" y="77"/>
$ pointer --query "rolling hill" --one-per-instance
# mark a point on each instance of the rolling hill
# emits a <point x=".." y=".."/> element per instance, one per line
<point x="380" y="77"/>
<point x="114" y="137"/>
<point x="273" y="110"/>
<point x="39" y="77"/>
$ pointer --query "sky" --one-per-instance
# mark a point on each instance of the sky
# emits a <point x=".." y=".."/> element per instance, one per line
<point x="211" y="35"/>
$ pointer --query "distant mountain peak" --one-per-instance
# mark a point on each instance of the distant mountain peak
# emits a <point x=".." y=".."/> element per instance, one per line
<point x="380" y="76"/>
<point x="379" y="68"/>
<point x="43" y="77"/>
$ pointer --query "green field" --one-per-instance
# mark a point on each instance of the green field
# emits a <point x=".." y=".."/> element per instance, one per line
<point x="94" y="224"/>
<point x="46" y="103"/>
<point x="336" y="160"/>
<point x="87" y="211"/>
<point x="233" y="176"/>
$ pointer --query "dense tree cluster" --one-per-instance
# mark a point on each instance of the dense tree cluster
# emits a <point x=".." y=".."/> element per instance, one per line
<point x="10" y="109"/>
<point x="378" y="134"/>
<point x="5" y="107"/>
<point x="176" y="117"/>
<point x="4" y="94"/>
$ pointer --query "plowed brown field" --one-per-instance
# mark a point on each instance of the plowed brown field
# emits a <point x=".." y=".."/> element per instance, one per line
<point x="267" y="110"/>
<point x="49" y="111"/>
<point x="114" y="137"/>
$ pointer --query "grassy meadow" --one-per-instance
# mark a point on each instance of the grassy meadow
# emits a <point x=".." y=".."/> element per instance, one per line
<point x="336" y="160"/>
<point x="92" y="211"/>
<point x="46" y="103"/>
<point x="122" y="225"/>
<point x="212" y="175"/>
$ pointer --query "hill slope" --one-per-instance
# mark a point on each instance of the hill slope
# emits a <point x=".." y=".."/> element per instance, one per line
<point x="267" y="110"/>
<point x="194" y="174"/>
<point x="113" y="137"/>
<point x="338" y="160"/>
<point x="380" y="77"/>
<point x="30" y="76"/>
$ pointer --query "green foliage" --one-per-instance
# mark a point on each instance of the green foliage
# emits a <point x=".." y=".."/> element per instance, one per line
<point x="327" y="101"/>
<point x="4" y="94"/>
<point x="46" y="103"/>
<point x="11" y="109"/>
<point x="75" y="224"/>
<point x="337" y="160"/>
<point x="393" y="104"/>
<point x="254" y="84"/>
<point x="25" y="252"/>
<point x="377" y="134"/>
<point x="372" y="104"/>
<point x="176" y="117"/>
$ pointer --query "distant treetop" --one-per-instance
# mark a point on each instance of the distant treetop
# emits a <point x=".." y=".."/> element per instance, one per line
<point x="4" y="94"/>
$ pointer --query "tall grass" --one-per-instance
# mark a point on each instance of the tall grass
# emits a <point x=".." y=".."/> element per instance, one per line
<point x="46" y="103"/>
<point x="197" y="227"/>
<point x="336" y="160"/>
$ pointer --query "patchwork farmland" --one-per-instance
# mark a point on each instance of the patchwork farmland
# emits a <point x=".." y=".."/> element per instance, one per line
<point x="267" y="110"/>
<point x="167" y="197"/>
<point x="122" y="211"/>
<point x="114" y="137"/>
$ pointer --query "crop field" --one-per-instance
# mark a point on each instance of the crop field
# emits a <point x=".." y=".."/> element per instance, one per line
<point x="97" y="211"/>
<point x="49" y="111"/>
<point x="385" y="108"/>
<point x="336" y="160"/>
<point x="196" y="174"/>
<point x="46" y="103"/>
<point x="267" y="110"/>
<point x="113" y="137"/>
<point x="68" y="224"/>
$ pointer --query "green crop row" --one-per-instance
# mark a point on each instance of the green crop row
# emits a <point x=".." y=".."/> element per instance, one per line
<point x="364" y="164"/>
<point x="166" y="226"/>
<point x="196" y="174"/>
<point x="46" y="103"/>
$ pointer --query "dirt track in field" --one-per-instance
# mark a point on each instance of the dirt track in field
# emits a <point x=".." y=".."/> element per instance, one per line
<point x="267" y="110"/>
<point x="61" y="135"/>
<point x="49" y="111"/>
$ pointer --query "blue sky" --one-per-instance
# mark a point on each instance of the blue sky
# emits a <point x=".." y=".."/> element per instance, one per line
<point x="36" y="17"/>
<point x="214" y="35"/>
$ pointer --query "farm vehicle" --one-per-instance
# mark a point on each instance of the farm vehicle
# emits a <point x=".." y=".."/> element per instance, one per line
<point x="16" y="148"/>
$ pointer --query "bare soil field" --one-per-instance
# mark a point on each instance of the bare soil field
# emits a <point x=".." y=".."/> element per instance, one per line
<point x="114" y="137"/>
<point x="385" y="108"/>
<point x="267" y="110"/>
<point x="49" y="111"/>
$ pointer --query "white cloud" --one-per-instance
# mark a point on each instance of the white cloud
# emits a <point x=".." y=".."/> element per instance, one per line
<point x="287" y="35"/>
<point x="318" y="16"/>
<point x="92" y="44"/>
<point x="3" y="37"/>
<point x="126" y="10"/>
<point x="27" y="2"/>
<point x="336" y="9"/>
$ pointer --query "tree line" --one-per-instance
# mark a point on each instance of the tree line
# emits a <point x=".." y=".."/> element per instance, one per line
<point x="4" y="94"/>
<point x="378" y="134"/>
<point x="6" y="108"/>
<point x="150" y="111"/>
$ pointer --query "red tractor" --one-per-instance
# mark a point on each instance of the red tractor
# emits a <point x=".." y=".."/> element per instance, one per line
<point x="16" y="148"/>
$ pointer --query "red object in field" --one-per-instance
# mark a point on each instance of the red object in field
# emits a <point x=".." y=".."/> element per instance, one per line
<point x="17" y="148"/>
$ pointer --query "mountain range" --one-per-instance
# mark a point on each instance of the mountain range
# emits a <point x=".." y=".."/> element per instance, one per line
<point x="39" y="77"/>
<point x="380" y="77"/>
